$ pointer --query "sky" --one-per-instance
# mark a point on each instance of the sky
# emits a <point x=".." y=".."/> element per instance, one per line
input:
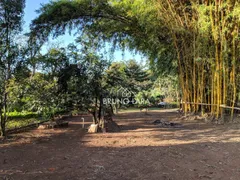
<point x="30" y="14"/>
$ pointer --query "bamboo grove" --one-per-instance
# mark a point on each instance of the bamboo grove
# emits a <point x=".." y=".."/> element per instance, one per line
<point x="203" y="35"/>
<point x="206" y="37"/>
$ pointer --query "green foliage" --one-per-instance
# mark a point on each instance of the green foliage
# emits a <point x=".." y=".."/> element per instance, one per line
<point x="166" y="87"/>
<point x="132" y="24"/>
<point x="37" y="94"/>
<point x="144" y="97"/>
<point x="137" y="79"/>
<point x="115" y="74"/>
<point x="127" y="76"/>
<point x="11" y="14"/>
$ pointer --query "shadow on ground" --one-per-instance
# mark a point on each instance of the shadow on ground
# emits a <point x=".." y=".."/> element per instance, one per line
<point x="197" y="151"/>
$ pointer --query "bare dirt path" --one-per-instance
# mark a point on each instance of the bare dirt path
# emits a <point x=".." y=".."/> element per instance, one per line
<point x="141" y="151"/>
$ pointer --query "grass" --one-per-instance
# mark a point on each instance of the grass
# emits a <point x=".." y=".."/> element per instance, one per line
<point x="21" y="119"/>
<point x="17" y="123"/>
<point x="24" y="118"/>
<point x="22" y="115"/>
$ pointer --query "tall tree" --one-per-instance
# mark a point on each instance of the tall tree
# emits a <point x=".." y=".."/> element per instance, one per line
<point x="138" y="79"/>
<point x="11" y="14"/>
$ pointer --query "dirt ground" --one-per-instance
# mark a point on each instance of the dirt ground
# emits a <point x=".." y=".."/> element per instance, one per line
<point x="141" y="151"/>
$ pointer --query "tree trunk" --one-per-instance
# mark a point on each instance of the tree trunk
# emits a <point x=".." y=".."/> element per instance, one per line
<point x="95" y="121"/>
<point x="111" y="108"/>
<point x="100" y="108"/>
<point x="3" y="131"/>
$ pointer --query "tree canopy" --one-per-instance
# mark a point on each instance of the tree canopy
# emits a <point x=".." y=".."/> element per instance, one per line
<point x="131" y="24"/>
<point x="200" y="37"/>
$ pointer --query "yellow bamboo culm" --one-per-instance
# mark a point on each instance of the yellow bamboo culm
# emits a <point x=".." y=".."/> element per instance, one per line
<point x="207" y="42"/>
